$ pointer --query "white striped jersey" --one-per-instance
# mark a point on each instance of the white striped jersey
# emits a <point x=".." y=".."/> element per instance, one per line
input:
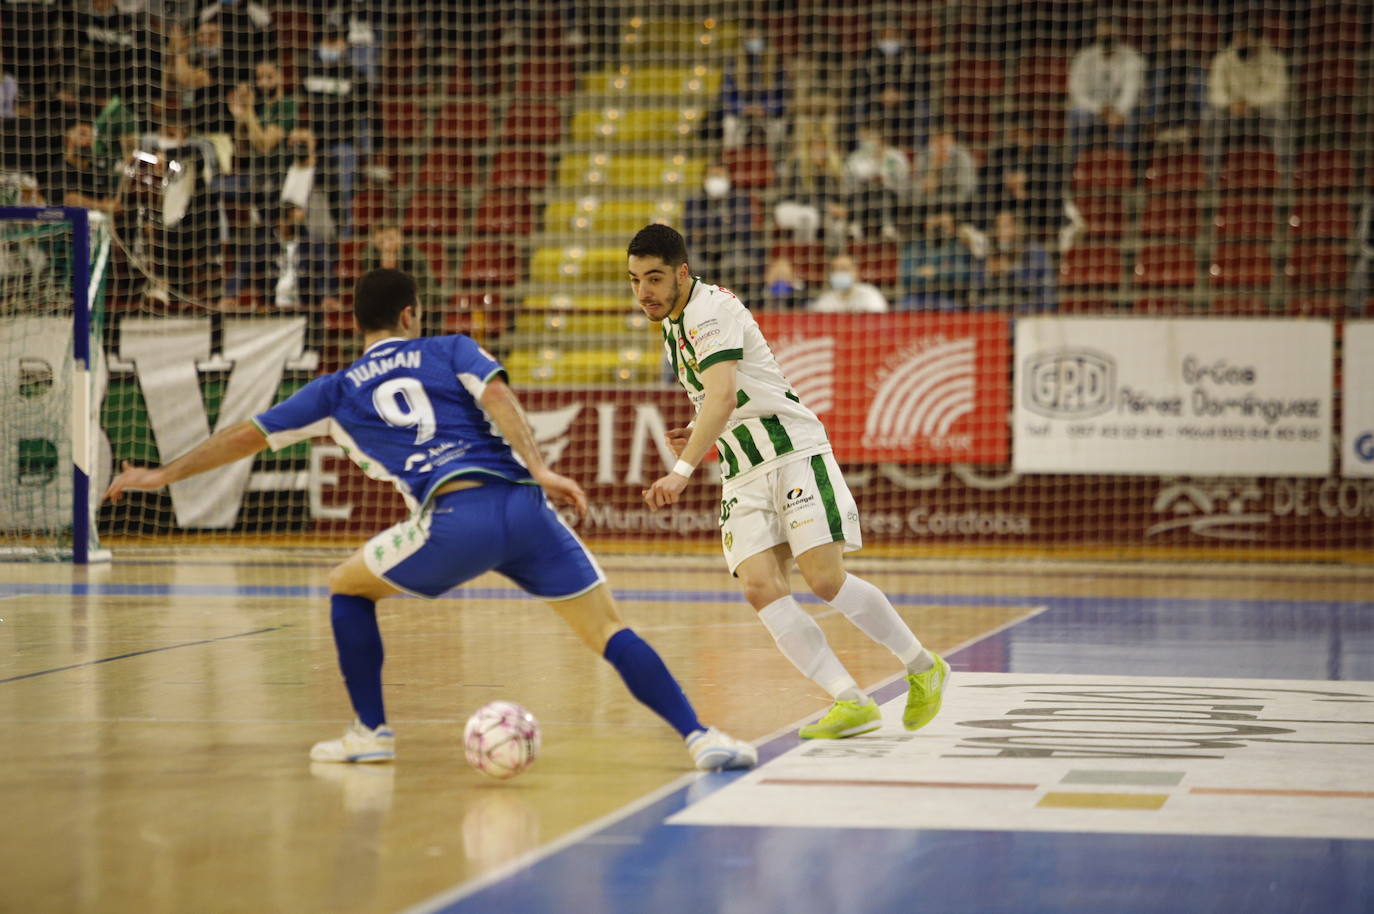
<point x="769" y="422"/>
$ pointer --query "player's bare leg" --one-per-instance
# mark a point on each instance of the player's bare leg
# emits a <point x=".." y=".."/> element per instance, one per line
<point x="873" y="614"/>
<point x="593" y="616"/>
<point x="354" y="592"/>
<point x="801" y="641"/>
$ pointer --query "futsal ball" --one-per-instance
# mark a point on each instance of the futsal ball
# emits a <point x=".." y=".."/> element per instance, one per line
<point x="501" y="739"/>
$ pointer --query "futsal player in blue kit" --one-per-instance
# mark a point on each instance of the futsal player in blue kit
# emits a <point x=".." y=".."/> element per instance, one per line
<point x="419" y="413"/>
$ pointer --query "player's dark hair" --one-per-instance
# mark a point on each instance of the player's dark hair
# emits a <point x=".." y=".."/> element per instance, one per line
<point x="380" y="296"/>
<point x="661" y="241"/>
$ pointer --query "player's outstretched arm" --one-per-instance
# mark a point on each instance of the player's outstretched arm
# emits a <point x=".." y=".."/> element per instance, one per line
<point x="224" y="446"/>
<point x="503" y="406"/>
<point x="719" y="383"/>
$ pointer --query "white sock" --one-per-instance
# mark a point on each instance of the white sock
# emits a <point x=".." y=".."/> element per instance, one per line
<point x="868" y="608"/>
<point x="801" y="641"/>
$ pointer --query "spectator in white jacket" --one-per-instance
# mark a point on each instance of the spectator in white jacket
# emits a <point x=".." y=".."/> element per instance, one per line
<point x="1247" y="93"/>
<point x="1105" y="81"/>
<point x="846" y="294"/>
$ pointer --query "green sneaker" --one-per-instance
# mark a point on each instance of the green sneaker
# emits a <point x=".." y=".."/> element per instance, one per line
<point x="926" y="692"/>
<point x="845" y="718"/>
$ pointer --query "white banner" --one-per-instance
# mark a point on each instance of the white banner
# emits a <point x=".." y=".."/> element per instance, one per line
<point x="1357" y="398"/>
<point x="1197" y="397"/>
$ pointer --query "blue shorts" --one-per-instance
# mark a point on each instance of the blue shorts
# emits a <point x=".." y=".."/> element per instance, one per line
<point x="498" y="526"/>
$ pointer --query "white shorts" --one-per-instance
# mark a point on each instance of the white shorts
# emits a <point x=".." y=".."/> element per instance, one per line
<point x="804" y="503"/>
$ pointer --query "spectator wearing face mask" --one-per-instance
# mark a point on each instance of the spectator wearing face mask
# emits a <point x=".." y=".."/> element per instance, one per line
<point x="891" y="87"/>
<point x="938" y="272"/>
<point x="1247" y="93"/>
<point x="1105" y="82"/>
<point x="753" y="93"/>
<point x="720" y="223"/>
<point x="264" y="114"/>
<point x="847" y="295"/>
<point x="783" y="289"/>
<point x="339" y="99"/>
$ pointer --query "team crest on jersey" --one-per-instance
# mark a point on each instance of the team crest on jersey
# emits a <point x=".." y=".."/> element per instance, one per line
<point x="729" y="540"/>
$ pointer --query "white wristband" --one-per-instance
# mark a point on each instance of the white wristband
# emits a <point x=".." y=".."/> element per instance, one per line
<point x="683" y="469"/>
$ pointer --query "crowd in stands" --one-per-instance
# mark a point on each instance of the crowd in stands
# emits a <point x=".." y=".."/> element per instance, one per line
<point x="236" y="161"/>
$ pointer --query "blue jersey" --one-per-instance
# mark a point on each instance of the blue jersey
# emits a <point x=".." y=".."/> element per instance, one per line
<point x="405" y="413"/>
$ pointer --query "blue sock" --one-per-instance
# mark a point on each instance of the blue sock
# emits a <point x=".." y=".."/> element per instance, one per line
<point x="649" y="680"/>
<point x="359" y="642"/>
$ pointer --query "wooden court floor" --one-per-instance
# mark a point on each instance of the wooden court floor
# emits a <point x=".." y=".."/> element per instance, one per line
<point x="160" y="709"/>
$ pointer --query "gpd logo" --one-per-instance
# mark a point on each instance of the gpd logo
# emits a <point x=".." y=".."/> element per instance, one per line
<point x="1364" y="447"/>
<point x="1069" y="383"/>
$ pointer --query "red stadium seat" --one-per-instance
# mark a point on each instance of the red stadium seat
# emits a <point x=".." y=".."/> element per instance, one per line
<point x="1166" y="266"/>
<point x="1095" y="266"/>
<point x="491" y="263"/>
<point x="546" y="77"/>
<point x="1171" y="216"/>
<point x="1318" y="266"/>
<point x="1239" y="265"/>
<point x="533" y="122"/>
<point x="1103" y="169"/>
<point x="1324" y="169"/>
<point x="351" y="251"/>
<point x="436" y="212"/>
<point x="504" y="212"/>
<point x="436" y="253"/>
<point x="1244" y="217"/>
<point x="808" y="260"/>
<point x="464" y="122"/>
<point x="369" y="208"/>
<point x="1320" y="217"/>
<point x="523" y="168"/>
<point x="1162" y="307"/>
<point x="402" y="119"/>
<point x="972" y="91"/>
<point x="750" y="167"/>
<point x="1170" y="171"/>
<point x="1317" y="305"/>
<point x="1105" y="215"/>
<point x="1249" y="169"/>
<point x="877" y="262"/>
<point x="447" y="167"/>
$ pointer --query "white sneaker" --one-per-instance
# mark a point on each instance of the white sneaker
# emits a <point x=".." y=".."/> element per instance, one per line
<point x="358" y="744"/>
<point x="713" y="750"/>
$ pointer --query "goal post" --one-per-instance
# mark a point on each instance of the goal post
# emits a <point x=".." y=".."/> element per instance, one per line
<point x="53" y="262"/>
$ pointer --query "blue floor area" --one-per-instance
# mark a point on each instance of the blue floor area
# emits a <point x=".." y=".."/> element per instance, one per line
<point x="638" y="864"/>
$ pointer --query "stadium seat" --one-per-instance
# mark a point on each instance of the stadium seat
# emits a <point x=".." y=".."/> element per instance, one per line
<point x="1103" y="169"/>
<point x="1162" y="307"/>
<point x="447" y="167"/>
<point x="1104" y="214"/>
<point x="533" y="122"/>
<point x="546" y="78"/>
<point x="402" y="119"/>
<point x="478" y="314"/>
<point x="522" y="168"/>
<point x="877" y="262"/>
<point x="613" y="217"/>
<point x="504" y="212"/>
<point x="351" y="251"/>
<point x="463" y="121"/>
<point x="1328" y="88"/>
<point x="1249" y="169"/>
<point x="1166" y="266"/>
<point x="606" y="170"/>
<point x="636" y="125"/>
<point x="1240" y="306"/>
<point x="436" y="253"/>
<point x="578" y="263"/>
<point x="972" y="91"/>
<point x="1318" y="266"/>
<point x="1176" y="171"/>
<point x="369" y="207"/>
<point x="490" y="263"/>
<point x="556" y="365"/>
<point x="1240" y="217"/>
<point x="1320" y="217"/>
<point x="1324" y="169"/>
<point x="565" y="302"/>
<point x="749" y="166"/>
<point x="1316" y="305"/>
<point x="1091" y="266"/>
<point x="808" y="260"/>
<point x="436" y="212"/>
<point x="1241" y="265"/>
<point x="1173" y="215"/>
<point x="402" y="76"/>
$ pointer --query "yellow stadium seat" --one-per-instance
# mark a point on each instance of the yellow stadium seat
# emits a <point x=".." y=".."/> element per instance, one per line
<point x="552" y="365"/>
<point x="575" y="263"/>
<point x="697" y="81"/>
<point x="603" y="169"/>
<point x="677" y="36"/>
<point x="619" y="217"/>
<point x="557" y="324"/>
<point x="569" y="302"/>
<point x="636" y="125"/>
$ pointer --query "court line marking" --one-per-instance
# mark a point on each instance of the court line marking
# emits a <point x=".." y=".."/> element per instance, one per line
<point x="941" y="785"/>
<point x="1262" y="792"/>
<point x="462" y="891"/>
<point x="151" y="650"/>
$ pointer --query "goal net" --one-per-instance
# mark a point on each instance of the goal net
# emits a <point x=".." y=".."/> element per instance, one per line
<point x="1058" y="278"/>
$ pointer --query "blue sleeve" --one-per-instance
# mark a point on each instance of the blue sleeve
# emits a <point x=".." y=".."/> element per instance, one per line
<point x="473" y="365"/>
<point x="302" y="415"/>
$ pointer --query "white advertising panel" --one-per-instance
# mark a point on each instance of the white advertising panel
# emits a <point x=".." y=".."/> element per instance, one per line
<point x="1154" y="396"/>
<point x="1357" y="399"/>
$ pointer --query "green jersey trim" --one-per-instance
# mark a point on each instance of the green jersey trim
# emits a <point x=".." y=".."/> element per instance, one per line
<point x="827" y="493"/>
<point x="725" y="355"/>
